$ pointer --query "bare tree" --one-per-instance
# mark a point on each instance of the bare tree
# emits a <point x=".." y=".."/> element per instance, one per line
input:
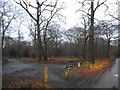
<point x="41" y="20"/>
<point x="85" y="34"/>
<point x="108" y="29"/>
<point x="54" y="38"/>
<point x="114" y="16"/>
<point x="69" y="36"/>
<point x="91" y="16"/>
<point x="33" y="33"/>
<point x="7" y="15"/>
<point x="75" y="35"/>
<point x="20" y="37"/>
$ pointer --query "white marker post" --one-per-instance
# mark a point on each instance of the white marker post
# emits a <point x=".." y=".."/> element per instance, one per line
<point x="78" y="64"/>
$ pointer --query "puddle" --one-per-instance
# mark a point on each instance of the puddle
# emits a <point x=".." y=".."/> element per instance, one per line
<point x="116" y="75"/>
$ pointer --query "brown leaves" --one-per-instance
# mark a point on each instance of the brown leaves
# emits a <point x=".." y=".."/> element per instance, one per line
<point x="86" y="72"/>
<point x="53" y="60"/>
<point x="17" y="83"/>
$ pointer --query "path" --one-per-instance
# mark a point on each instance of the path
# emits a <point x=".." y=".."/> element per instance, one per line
<point x="109" y="79"/>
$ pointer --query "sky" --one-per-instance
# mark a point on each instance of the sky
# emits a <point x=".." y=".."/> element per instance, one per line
<point x="73" y="18"/>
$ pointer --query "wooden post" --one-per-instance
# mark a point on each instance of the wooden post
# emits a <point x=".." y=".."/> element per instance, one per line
<point x="66" y="74"/>
<point x="46" y="75"/>
<point x="91" y="66"/>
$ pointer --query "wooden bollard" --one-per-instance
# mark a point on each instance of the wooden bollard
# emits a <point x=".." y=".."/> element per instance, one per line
<point x="46" y="75"/>
<point x="66" y="74"/>
<point x="91" y="66"/>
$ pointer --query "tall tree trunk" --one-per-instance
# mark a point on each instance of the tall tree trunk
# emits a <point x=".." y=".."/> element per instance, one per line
<point x="55" y="50"/>
<point x="108" y="47"/>
<point x="84" y="47"/>
<point x="91" y="53"/>
<point x="39" y="48"/>
<point x="119" y="29"/>
<point x="46" y="53"/>
<point x="118" y="47"/>
<point x="3" y="33"/>
<point x="96" y="46"/>
<point x="3" y="36"/>
<point x="19" y="46"/>
<point x="70" y="50"/>
<point x="45" y="56"/>
<point x="8" y="54"/>
<point x="34" y="45"/>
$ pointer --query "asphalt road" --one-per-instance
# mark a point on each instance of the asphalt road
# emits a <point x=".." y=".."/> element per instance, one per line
<point x="56" y="74"/>
<point x="24" y="70"/>
<point x="109" y="79"/>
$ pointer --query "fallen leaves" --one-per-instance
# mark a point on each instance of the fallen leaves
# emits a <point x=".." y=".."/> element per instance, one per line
<point x="53" y="60"/>
<point x="85" y="72"/>
<point x="18" y="83"/>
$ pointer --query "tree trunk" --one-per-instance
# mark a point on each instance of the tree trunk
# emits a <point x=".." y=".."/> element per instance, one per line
<point x="70" y="50"/>
<point x="8" y="54"/>
<point x="3" y="33"/>
<point x="34" y="45"/>
<point x="55" y="50"/>
<point x="119" y="29"/>
<point x="46" y="53"/>
<point x="19" y="46"/>
<point x="91" y="53"/>
<point x="84" y="48"/>
<point x="108" y="47"/>
<point x="96" y="46"/>
<point x="119" y="47"/>
<point x="3" y="36"/>
<point x="39" y="48"/>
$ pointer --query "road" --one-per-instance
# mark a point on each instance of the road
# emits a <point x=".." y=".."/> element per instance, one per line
<point x="35" y="71"/>
<point x="109" y="79"/>
<point x="25" y="70"/>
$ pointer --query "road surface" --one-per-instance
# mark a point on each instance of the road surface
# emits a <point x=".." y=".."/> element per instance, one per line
<point x="24" y="70"/>
<point x="34" y="71"/>
<point x="109" y="79"/>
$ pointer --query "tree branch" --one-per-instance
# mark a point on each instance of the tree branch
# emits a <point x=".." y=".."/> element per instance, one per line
<point x="26" y="9"/>
<point x="98" y="5"/>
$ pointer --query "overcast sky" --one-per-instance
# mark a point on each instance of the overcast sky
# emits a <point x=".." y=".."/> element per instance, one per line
<point x="72" y="18"/>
